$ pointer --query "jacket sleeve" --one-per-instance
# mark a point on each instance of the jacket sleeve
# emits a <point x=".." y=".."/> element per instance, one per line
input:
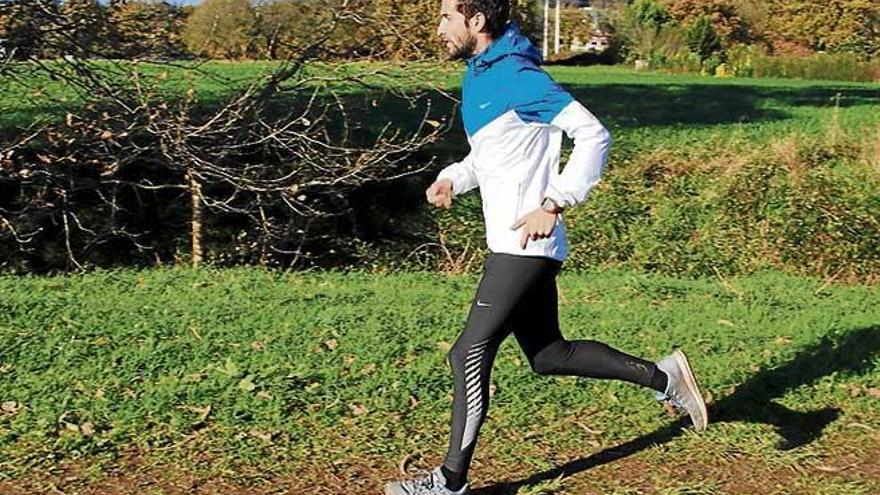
<point x="542" y="100"/>
<point x="461" y="174"/>
<point x="592" y="141"/>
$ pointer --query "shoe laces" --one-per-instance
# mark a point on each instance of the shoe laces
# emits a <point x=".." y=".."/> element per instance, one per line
<point x="675" y="400"/>
<point x="424" y="482"/>
<point x="672" y="398"/>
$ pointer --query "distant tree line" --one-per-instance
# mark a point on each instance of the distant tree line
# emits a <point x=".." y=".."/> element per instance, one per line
<point x="405" y="29"/>
<point x="785" y="26"/>
<point x="228" y="29"/>
<point x="120" y="29"/>
<point x="743" y="37"/>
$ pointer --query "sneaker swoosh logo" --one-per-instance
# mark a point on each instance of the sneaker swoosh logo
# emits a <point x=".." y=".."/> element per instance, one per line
<point x="484" y="105"/>
<point x="483" y="305"/>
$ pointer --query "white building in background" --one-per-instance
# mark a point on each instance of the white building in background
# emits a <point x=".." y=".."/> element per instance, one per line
<point x="597" y="43"/>
<point x="593" y="40"/>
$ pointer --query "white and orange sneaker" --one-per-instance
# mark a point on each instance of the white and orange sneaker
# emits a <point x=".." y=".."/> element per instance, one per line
<point x="682" y="390"/>
<point x="432" y="483"/>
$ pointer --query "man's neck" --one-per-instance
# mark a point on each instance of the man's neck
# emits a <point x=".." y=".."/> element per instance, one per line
<point x="483" y="42"/>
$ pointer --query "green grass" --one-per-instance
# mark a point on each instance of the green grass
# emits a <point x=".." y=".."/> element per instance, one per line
<point x="301" y="370"/>
<point x="642" y="109"/>
<point x="30" y="95"/>
<point x="691" y="113"/>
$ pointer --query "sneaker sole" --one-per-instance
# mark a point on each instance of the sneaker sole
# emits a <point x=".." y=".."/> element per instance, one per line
<point x="390" y="490"/>
<point x="393" y="490"/>
<point x="691" y="382"/>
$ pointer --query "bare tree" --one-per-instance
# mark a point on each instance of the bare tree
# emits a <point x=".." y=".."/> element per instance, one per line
<point x="283" y="154"/>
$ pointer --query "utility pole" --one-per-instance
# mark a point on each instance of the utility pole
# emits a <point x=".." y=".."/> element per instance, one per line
<point x="546" y="28"/>
<point x="556" y="44"/>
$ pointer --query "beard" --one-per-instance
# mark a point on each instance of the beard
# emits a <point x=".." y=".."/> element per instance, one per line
<point x="465" y="50"/>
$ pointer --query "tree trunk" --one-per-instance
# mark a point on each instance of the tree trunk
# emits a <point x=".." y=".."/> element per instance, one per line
<point x="195" y="191"/>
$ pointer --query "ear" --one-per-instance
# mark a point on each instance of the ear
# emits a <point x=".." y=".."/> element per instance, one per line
<point x="478" y="22"/>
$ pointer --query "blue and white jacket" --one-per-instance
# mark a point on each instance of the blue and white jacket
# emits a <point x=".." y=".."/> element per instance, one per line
<point x="514" y="115"/>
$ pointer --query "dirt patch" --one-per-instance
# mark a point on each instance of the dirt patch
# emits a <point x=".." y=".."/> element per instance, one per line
<point x="649" y="471"/>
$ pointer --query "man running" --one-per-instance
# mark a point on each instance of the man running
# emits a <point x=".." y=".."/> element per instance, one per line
<point x="514" y="115"/>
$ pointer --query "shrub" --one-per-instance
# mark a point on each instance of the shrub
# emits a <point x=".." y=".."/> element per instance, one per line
<point x="836" y="66"/>
<point x="702" y="39"/>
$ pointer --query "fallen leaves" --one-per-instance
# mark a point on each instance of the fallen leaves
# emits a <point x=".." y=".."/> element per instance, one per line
<point x="262" y="435"/>
<point x="403" y="465"/>
<point x="591" y="431"/>
<point x="358" y="409"/>
<point x="247" y="384"/>
<point x="87" y="429"/>
<point x="10" y="407"/>
<point x="202" y="414"/>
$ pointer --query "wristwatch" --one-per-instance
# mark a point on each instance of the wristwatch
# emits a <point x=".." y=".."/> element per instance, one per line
<point x="550" y="206"/>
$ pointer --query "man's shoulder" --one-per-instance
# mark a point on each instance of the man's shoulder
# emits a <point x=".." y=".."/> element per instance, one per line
<point x="529" y="80"/>
<point x="516" y="66"/>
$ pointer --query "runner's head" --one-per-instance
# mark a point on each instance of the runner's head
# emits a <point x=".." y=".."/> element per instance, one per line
<point x="464" y="22"/>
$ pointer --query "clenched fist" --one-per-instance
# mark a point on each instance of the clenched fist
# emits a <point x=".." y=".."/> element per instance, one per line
<point x="440" y="193"/>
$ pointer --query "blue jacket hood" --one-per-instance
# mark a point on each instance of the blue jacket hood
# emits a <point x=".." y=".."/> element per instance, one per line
<point x="507" y="76"/>
<point x="512" y="43"/>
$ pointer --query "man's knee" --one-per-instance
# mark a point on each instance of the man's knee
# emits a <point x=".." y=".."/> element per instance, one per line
<point x="458" y="353"/>
<point x="548" y="361"/>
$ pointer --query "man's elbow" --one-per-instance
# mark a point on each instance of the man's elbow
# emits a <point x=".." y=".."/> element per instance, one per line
<point x="605" y="138"/>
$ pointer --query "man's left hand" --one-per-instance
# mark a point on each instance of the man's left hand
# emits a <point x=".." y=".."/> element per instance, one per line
<point x="537" y="224"/>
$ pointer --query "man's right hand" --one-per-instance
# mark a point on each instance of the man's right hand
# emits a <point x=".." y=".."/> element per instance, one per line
<point x="440" y="193"/>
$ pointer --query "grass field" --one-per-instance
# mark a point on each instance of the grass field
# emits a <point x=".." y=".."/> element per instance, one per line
<point x="249" y="381"/>
<point x="643" y="109"/>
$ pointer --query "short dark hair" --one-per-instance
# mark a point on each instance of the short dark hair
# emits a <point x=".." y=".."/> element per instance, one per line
<point x="497" y="13"/>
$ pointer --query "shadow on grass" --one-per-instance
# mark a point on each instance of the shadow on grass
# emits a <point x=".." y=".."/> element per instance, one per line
<point x="751" y="402"/>
<point x="634" y="106"/>
<point x="697" y="105"/>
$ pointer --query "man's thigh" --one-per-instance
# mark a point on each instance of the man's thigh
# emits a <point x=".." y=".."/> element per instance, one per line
<point x="506" y="283"/>
<point x="535" y="321"/>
